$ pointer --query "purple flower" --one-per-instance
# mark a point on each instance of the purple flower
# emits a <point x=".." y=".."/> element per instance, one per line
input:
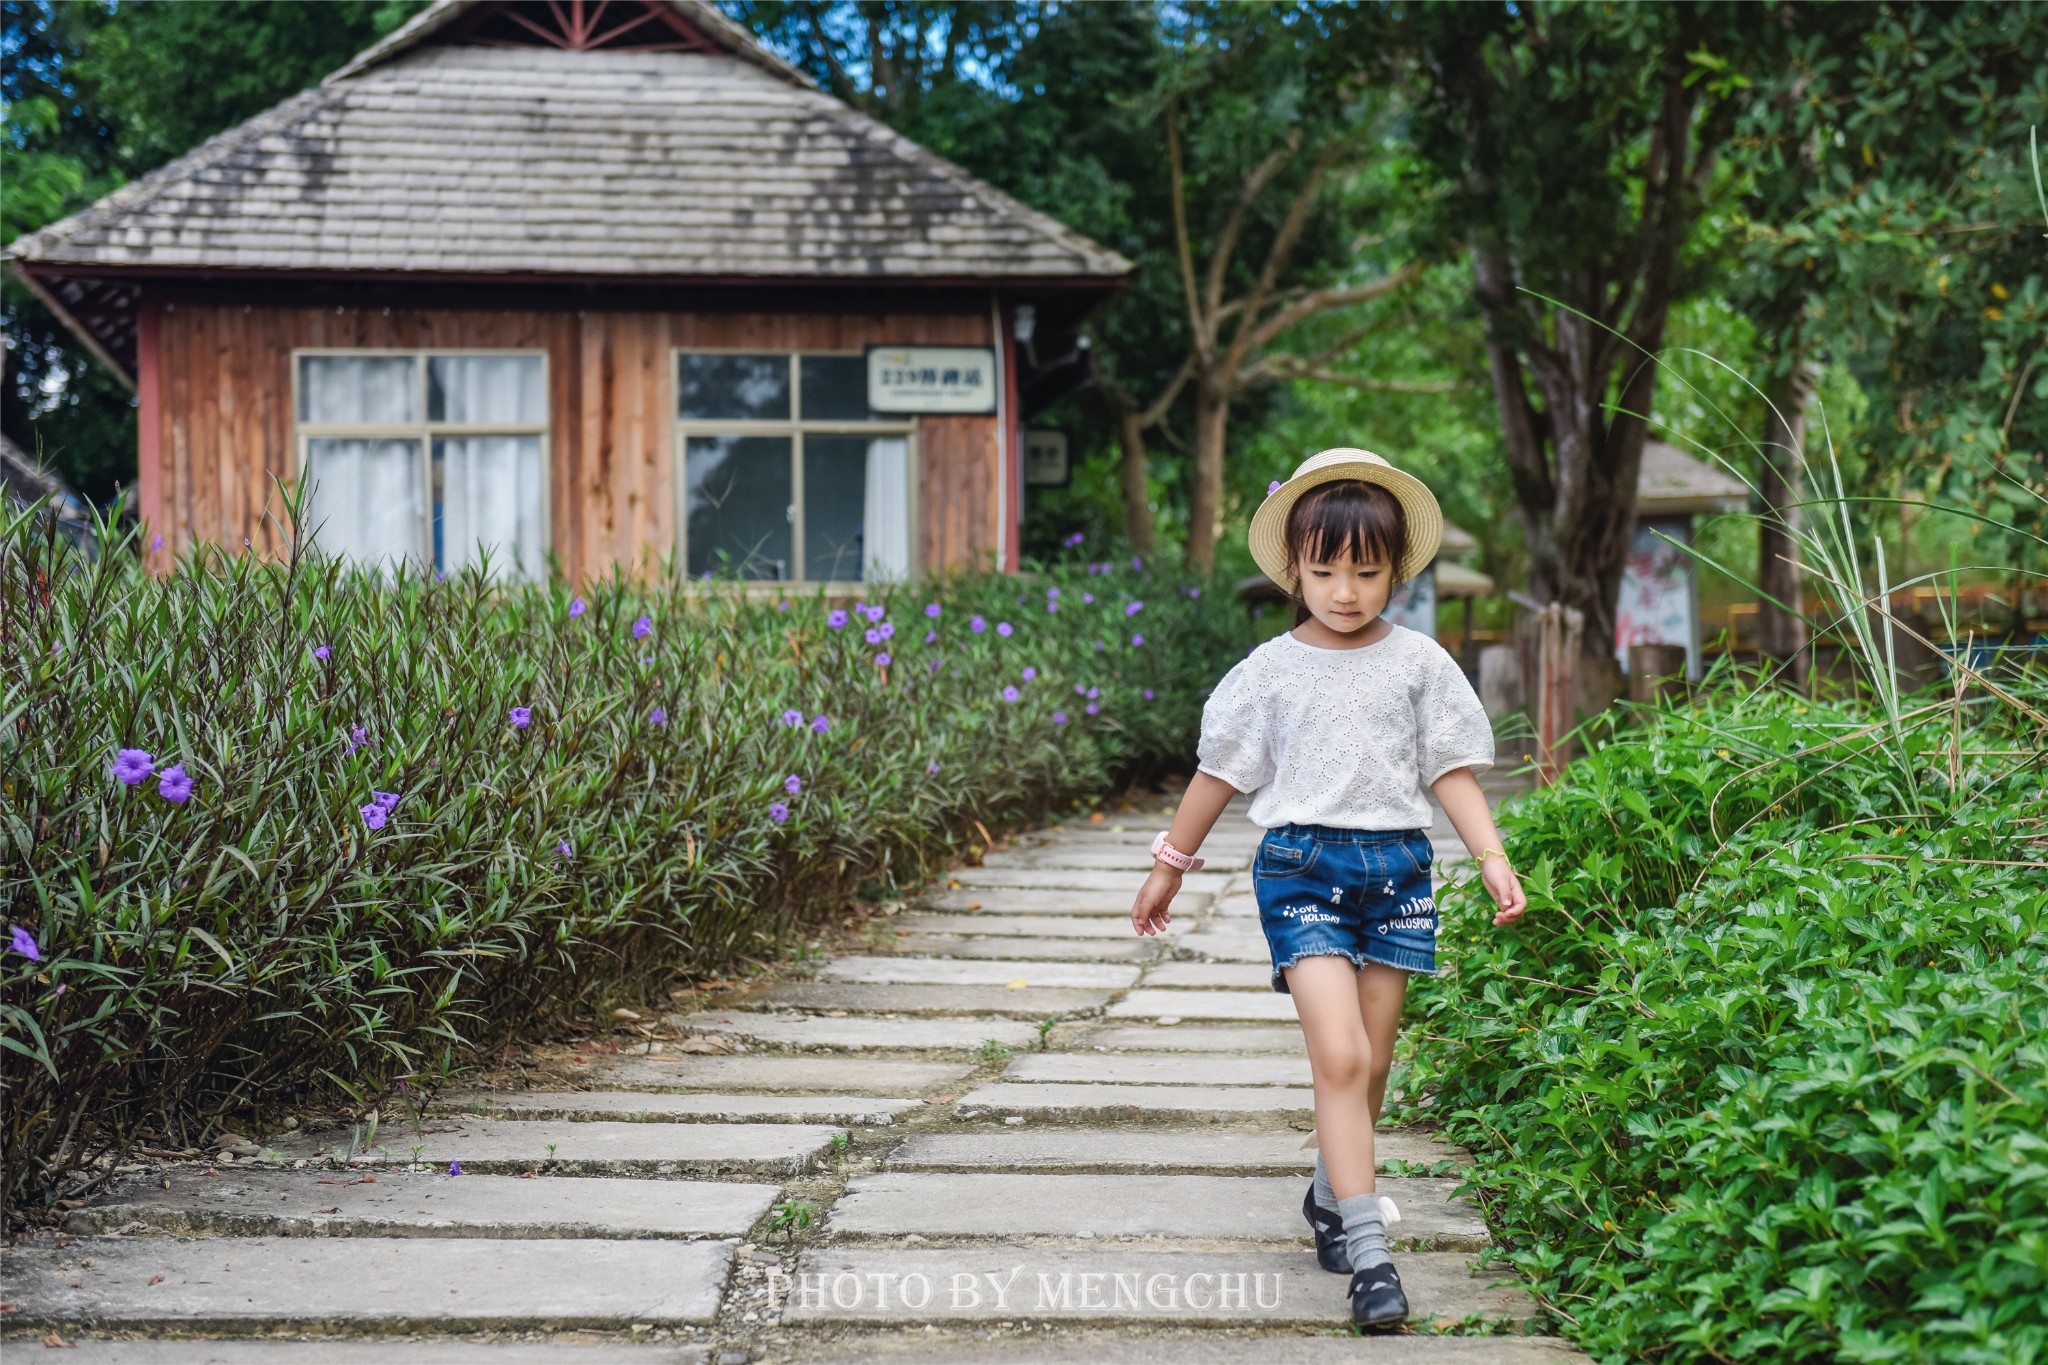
<point x="820" y="724"/>
<point x="1059" y="718"/>
<point x="646" y="658"/>
<point x="440" y="575"/>
<point x="658" y="716"/>
<point x="874" y="636"/>
<point x="1087" y="597"/>
<point x="1080" y="689"/>
<point x="577" y="606"/>
<point x="930" y="636"/>
<point x="1194" y="592"/>
<point x="1098" y="646"/>
<point x="1052" y="606"/>
<point x="860" y="606"/>
<point x="792" y="718"/>
<point x="935" y="665"/>
<point x="836" y="619"/>
<point x="321" y="651"/>
<point x="132" y="765"/>
<point x="883" y="660"/>
<point x="877" y="613"/>
<point x="373" y="815"/>
<point x="25" y="942"/>
<point x="455" y="1168"/>
<point x="158" y="543"/>
<point x="886" y="629"/>
<point x="1075" y="539"/>
<point x="1003" y="628"/>
<point x="1148" y="694"/>
<point x="642" y="628"/>
<point x="1029" y="673"/>
<point x="783" y="605"/>
<point x="977" y="625"/>
<point x="792" y="784"/>
<point x="778" y="812"/>
<point x="931" y="609"/>
<point x="1137" y="564"/>
<point x="1094" y="692"/>
<point x="1093" y="707"/>
<point x="521" y="716"/>
<point x="174" y="784"/>
<point x="388" y="800"/>
<point x="357" y="738"/>
<point x="1137" y="641"/>
<point x="1010" y="692"/>
<point x="562" y="847"/>
<point x="1272" y="488"/>
<point x="1133" y="608"/>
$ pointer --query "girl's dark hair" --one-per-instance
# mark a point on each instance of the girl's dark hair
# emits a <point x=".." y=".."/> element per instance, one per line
<point x="1345" y="516"/>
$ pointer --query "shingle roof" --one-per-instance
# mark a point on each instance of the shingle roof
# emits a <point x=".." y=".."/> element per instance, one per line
<point x="537" y="160"/>
<point x="1673" y="483"/>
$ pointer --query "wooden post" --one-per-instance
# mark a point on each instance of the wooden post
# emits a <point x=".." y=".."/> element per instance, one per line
<point x="1559" y="629"/>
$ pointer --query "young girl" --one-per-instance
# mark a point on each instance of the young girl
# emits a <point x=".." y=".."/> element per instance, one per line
<point x="1334" y="728"/>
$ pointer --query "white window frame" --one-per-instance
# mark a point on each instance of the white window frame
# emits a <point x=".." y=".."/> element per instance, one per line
<point x="795" y="429"/>
<point x="425" y="431"/>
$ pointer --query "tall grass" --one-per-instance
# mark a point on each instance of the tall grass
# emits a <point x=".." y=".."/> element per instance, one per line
<point x="699" y="772"/>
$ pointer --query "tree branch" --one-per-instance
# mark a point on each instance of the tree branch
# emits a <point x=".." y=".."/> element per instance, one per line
<point x="1199" y="339"/>
<point x="1291" y="368"/>
<point x="1322" y="300"/>
<point x="1226" y="241"/>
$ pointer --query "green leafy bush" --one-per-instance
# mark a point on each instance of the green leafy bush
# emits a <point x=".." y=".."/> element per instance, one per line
<point x="379" y="867"/>
<point x="1763" y="1073"/>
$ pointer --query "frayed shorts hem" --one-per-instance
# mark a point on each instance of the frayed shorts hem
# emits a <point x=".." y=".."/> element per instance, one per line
<point x="1394" y="957"/>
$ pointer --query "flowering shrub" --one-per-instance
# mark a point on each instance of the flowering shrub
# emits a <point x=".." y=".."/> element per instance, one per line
<point x="479" y="803"/>
<point x="1762" y="1073"/>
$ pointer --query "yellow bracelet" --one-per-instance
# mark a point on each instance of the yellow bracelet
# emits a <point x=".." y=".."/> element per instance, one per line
<point x="1484" y="851"/>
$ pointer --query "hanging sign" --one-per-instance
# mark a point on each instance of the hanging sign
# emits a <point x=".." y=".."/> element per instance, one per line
<point x="1045" y="459"/>
<point x="932" y="379"/>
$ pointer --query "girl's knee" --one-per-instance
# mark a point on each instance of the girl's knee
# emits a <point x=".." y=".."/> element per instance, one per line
<point x="1345" y="1067"/>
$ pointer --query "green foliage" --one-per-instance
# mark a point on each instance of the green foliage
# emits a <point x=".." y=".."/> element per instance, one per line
<point x="1761" y="1074"/>
<point x="262" y="940"/>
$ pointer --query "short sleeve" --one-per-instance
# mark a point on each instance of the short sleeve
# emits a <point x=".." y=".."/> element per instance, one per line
<point x="1452" y="729"/>
<point x="1235" y="744"/>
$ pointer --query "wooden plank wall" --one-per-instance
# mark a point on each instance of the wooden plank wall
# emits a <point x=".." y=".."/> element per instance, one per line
<point x="225" y="420"/>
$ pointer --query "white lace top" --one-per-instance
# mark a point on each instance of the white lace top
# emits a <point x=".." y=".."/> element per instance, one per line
<point x="1344" y="737"/>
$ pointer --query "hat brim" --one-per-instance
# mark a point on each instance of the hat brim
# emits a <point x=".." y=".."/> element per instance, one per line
<point x="1268" y="536"/>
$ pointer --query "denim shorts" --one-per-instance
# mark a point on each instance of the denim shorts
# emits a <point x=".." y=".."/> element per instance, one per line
<point x="1362" y="893"/>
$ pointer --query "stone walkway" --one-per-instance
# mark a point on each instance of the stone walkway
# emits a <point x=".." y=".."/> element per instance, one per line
<point x="1013" y="1131"/>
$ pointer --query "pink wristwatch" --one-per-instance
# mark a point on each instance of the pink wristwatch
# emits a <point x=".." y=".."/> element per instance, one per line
<point x="1171" y="856"/>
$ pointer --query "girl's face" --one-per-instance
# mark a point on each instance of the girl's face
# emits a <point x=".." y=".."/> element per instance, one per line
<point x="1345" y="595"/>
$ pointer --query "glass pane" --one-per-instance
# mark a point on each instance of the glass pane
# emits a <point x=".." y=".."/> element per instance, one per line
<point x="835" y="388"/>
<point x="480" y="389"/>
<point x="750" y="387"/>
<point x="358" y="388"/>
<point x="738" y="506"/>
<point x="365" y="499"/>
<point x="487" y="497"/>
<point x="856" y="508"/>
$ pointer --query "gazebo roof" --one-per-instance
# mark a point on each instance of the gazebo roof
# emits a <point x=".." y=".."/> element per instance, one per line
<point x="445" y="152"/>
<point x="1674" y="484"/>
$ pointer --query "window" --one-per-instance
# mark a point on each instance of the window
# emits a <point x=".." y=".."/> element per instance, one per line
<point x="784" y="474"/>
<point x="434" y="457"/>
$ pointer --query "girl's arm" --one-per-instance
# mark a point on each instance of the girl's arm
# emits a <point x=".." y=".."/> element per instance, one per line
<point x="1196" y="816"/>
<point x="1458" y="791"/>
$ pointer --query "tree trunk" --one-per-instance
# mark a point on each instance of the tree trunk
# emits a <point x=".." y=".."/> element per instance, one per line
<point x="1212" y="422"/>
<point x="1137" y="496"/>
<point x="1781" y="634"/>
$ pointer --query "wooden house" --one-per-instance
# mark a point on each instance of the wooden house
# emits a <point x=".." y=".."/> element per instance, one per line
<point x="599" y="278"/>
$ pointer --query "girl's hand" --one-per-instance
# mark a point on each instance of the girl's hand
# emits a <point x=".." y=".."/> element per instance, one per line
<point x="1505" y="888"/>
<point x="1149" y="915"/>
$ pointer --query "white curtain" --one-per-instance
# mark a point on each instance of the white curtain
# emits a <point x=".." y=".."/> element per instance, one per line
<point x="365" y="499"/>
<point x="885" y="519"/>
<point x="490" y="495"/>
<point x="358" y="389"/>
<point x="480" y="389"/>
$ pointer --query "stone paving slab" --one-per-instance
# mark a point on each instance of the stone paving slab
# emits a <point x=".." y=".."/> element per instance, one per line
<point x="515" y="1146"/>
<point x="1245" y="976"/>
<point x="1023" y="1002"/>
<point x="428" y="1204"/>
<point x="1217" y="1207"/>
<point x="1025" y="901"/>
<point x="1226" y="947"/>
<point x="637" y="1106"/>
<point x="841" y="1075"/>
<point x="1110" y="976"/>
<point x="1239" y="905"/>
<point x="1128" y="948"/>
<point x="1080" y="879"/>
<point x="1147" y="1003"/>
<point x="1119" y="1284"/>
<point x="1137" y="858"/>
<point x="1199" y="1151"/>
<point x="856" y="1034"/>
<point x="365" y="1283"/>
<point x="1158" y="1068"/>
<point x="1039" y="926"/>
<point x="1343" y="1348"/>
<point x="1183" y="1103"/>
<point x="284" y="1351"/>
<point x="1194" y="1038"/>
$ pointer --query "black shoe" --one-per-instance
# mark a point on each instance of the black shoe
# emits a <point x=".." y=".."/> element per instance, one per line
<point x="1332" y="1253"/>
<point x="1376" y="1297"/>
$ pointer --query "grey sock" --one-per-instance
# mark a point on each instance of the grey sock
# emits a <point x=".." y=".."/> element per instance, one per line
<point x="1365" y="1241"/>
<point x="1326" y="1198"/>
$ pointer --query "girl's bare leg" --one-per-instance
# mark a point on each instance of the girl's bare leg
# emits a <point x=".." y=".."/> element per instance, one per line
<point x="1340" y="1057"/>
<point x="1382" y="990"/>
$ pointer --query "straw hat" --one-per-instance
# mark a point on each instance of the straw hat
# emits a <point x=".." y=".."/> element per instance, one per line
<point x="1269" y="523"/>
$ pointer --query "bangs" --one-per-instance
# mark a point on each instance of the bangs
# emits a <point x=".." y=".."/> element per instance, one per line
<point x="1347" y="516"/>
